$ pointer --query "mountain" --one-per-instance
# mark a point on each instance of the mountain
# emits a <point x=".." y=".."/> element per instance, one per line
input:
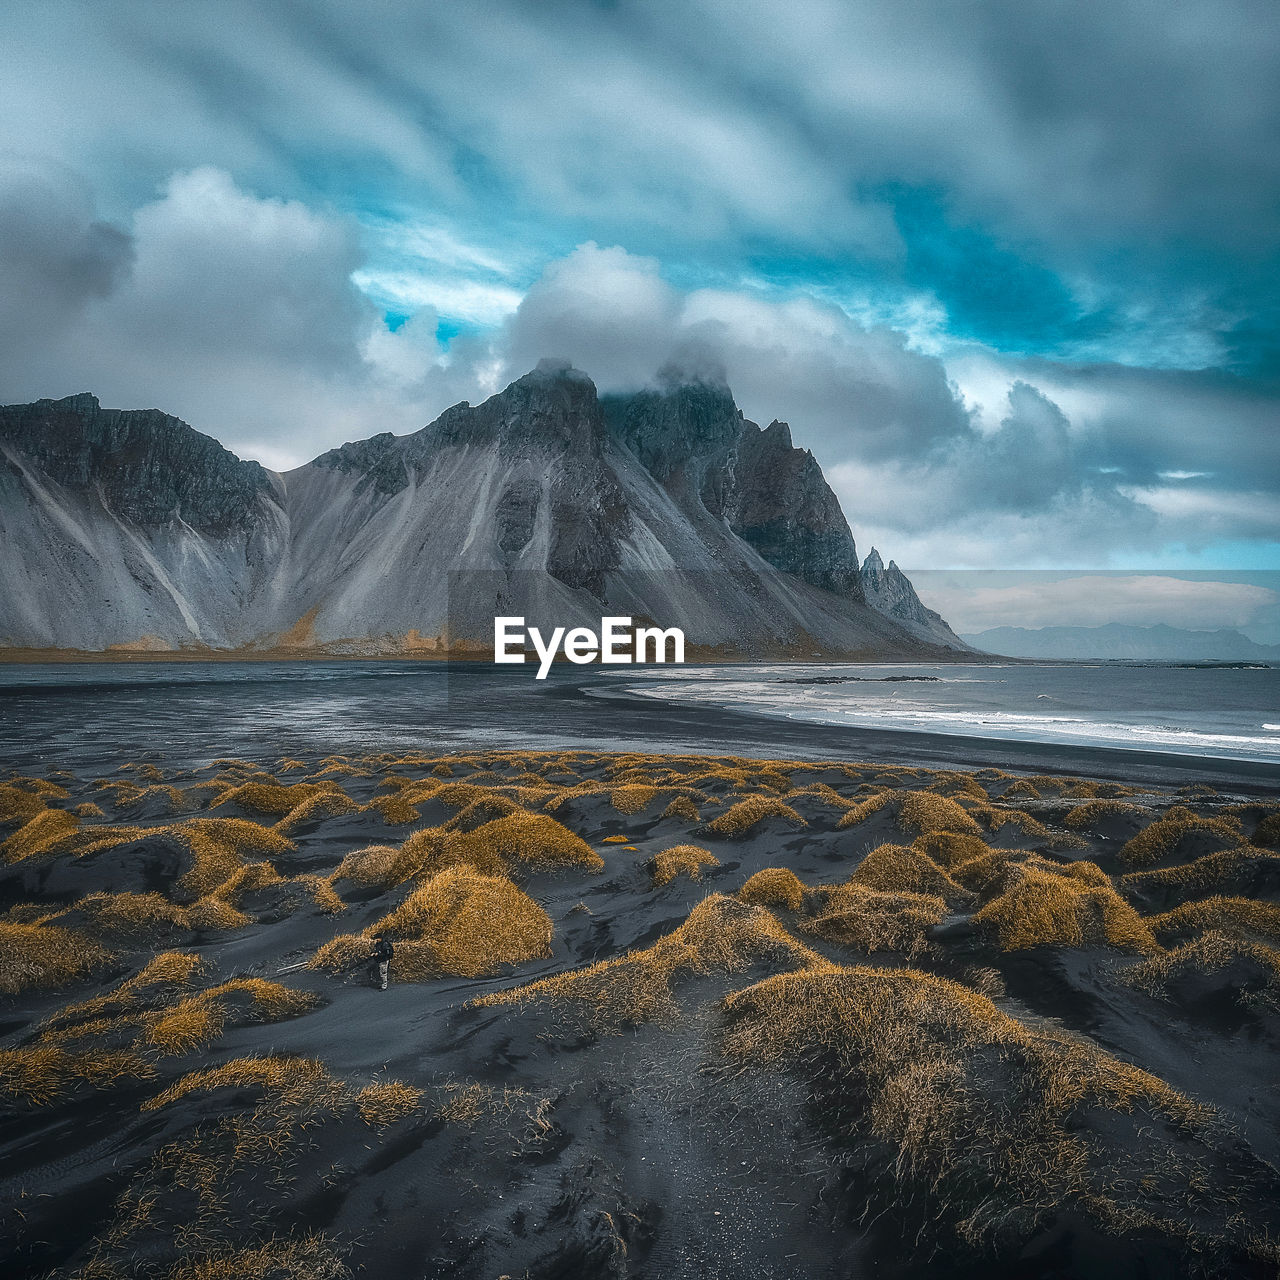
<point x="890" y="591"/>
<point x="130" y="529"/>
<point x="1115" y="640"/>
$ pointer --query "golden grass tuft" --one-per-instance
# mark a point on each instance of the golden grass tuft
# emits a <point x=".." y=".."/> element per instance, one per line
<point x="1165" y="838"/>
<point x="951" y="849"/>
<point x="1042" y="903"/>
<point x="682" y="807"/>
<point x="915" y="812"/>
<point x="1240" y="918"/>
<point x="1226" y="872"/>
<point x="395" y="810"/>
<point x="774" y="887"/>
<point x="199" y="1020"/>
<point x="46" y="833"/>
<point x="632" y="797"/>
<point x="133" y="917"/>
<point x="18" y="805"/>
<point x="38" y="1074"/>
<point x="1251" y="970"/>
<point x="315" y="808"/>
<point x="532" y="839"/>
<point x="721" y="935"/>
<point x="308" y="1257"/>
<point x="212" y="914"/>
<point x="1093" y="813"/>
<point x="681" y="860"/>
<point x="460" y="923"/>
<point x="37" y="957"/>
<point x="299" y="1081"/>
<point x="894" y="868"/>
<point x="741" y="818"/>
<point x="992" y="1118"/>
<point x="853" y="915"/>
<point x="386" y="1102"/>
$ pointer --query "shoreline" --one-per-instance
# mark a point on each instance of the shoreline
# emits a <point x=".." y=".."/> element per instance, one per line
<point x="930" y="750"/>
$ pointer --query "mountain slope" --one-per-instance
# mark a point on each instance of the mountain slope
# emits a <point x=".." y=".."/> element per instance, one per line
<point x="1116" y="640"/>
<point x="890" y="591"/>
<point x="132" y="529"/>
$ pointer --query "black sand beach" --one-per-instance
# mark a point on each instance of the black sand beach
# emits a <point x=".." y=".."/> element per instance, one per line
<point x="826" y="1007"/>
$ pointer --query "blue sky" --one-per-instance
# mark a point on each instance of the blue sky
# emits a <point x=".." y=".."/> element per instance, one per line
<point x="1009" y="269"/>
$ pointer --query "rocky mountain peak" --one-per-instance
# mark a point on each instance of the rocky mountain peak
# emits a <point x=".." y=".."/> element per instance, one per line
<point x="149" y="467"/>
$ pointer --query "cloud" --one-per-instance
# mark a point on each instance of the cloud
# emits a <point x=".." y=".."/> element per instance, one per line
<point x="56" y="257"/>
<point x="1097" y="599"/>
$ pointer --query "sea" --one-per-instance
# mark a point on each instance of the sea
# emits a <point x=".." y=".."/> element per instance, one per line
<point x="99" y="715"/>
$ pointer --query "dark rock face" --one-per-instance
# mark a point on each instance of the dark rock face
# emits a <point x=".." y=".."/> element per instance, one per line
<point x="890" y="591"/>
<point x="150" y="468"/>
<point x="694" y="441"/>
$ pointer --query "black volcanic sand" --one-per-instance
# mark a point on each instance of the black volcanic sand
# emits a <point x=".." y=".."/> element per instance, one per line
<point x="1034" y="1036"/>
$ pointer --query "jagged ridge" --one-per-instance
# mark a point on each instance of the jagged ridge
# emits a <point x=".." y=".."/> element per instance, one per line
<point x="545" y="500"/>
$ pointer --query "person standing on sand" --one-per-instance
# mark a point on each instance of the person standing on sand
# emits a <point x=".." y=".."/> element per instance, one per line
<point x="381" y="958"/>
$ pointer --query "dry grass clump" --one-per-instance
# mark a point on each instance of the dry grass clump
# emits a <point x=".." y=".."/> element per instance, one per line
<point x="18" y="805"/>
<point x="1021" y="788"/>
<point x="853" y="915"/>
<point x="212" y="914"/>
<point x="200" y="1019"/>
<point x="1003" y="1126"/>
<point x="1094" y="813"/>
<point x="682" y="860"/>
<point x="270" y="798"/>
<point x="48" y="832"/>
<point x="534" y="839"/>
<point x="740" y="818"/>
<point x="682" y="807"/>
<point x="1250" y="972"/>
<point x="951" y="849"/>
<point x="380" y="865"/>
<point x="894" y="868"/>
<point x="37" y="1074"/>
<point x="386" y="1102"/>
<point x="460" y="923"/>
<point x="133" y="917"/>
<point x="166" y="976"/>
<point x="721" y="935"/>
<point x="1267" y="832"/>
<point x="632" y="797"/>
<point x="324" y="804"/>
<point x="1181" y="832"/>
<point x="395" y="810"/>
<point x="1241" y="918"/>
<point x="88" y="810"/>
<point x="297" y="1081"/>
<point x="1042" y="903"/>
<point x="915" y="812"/>
<point x="443" y="770"/>
<point x="467" y="1102"/>
<point x="774" y="887"/>
<point x="37" y="957"/>
<point x="1244" y="872"/>
<point x="309" y="1257"/>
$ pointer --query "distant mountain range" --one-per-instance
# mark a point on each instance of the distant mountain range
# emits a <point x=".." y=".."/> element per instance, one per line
<point x="1115" y="640"/>
<point x="129" y="529"/>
